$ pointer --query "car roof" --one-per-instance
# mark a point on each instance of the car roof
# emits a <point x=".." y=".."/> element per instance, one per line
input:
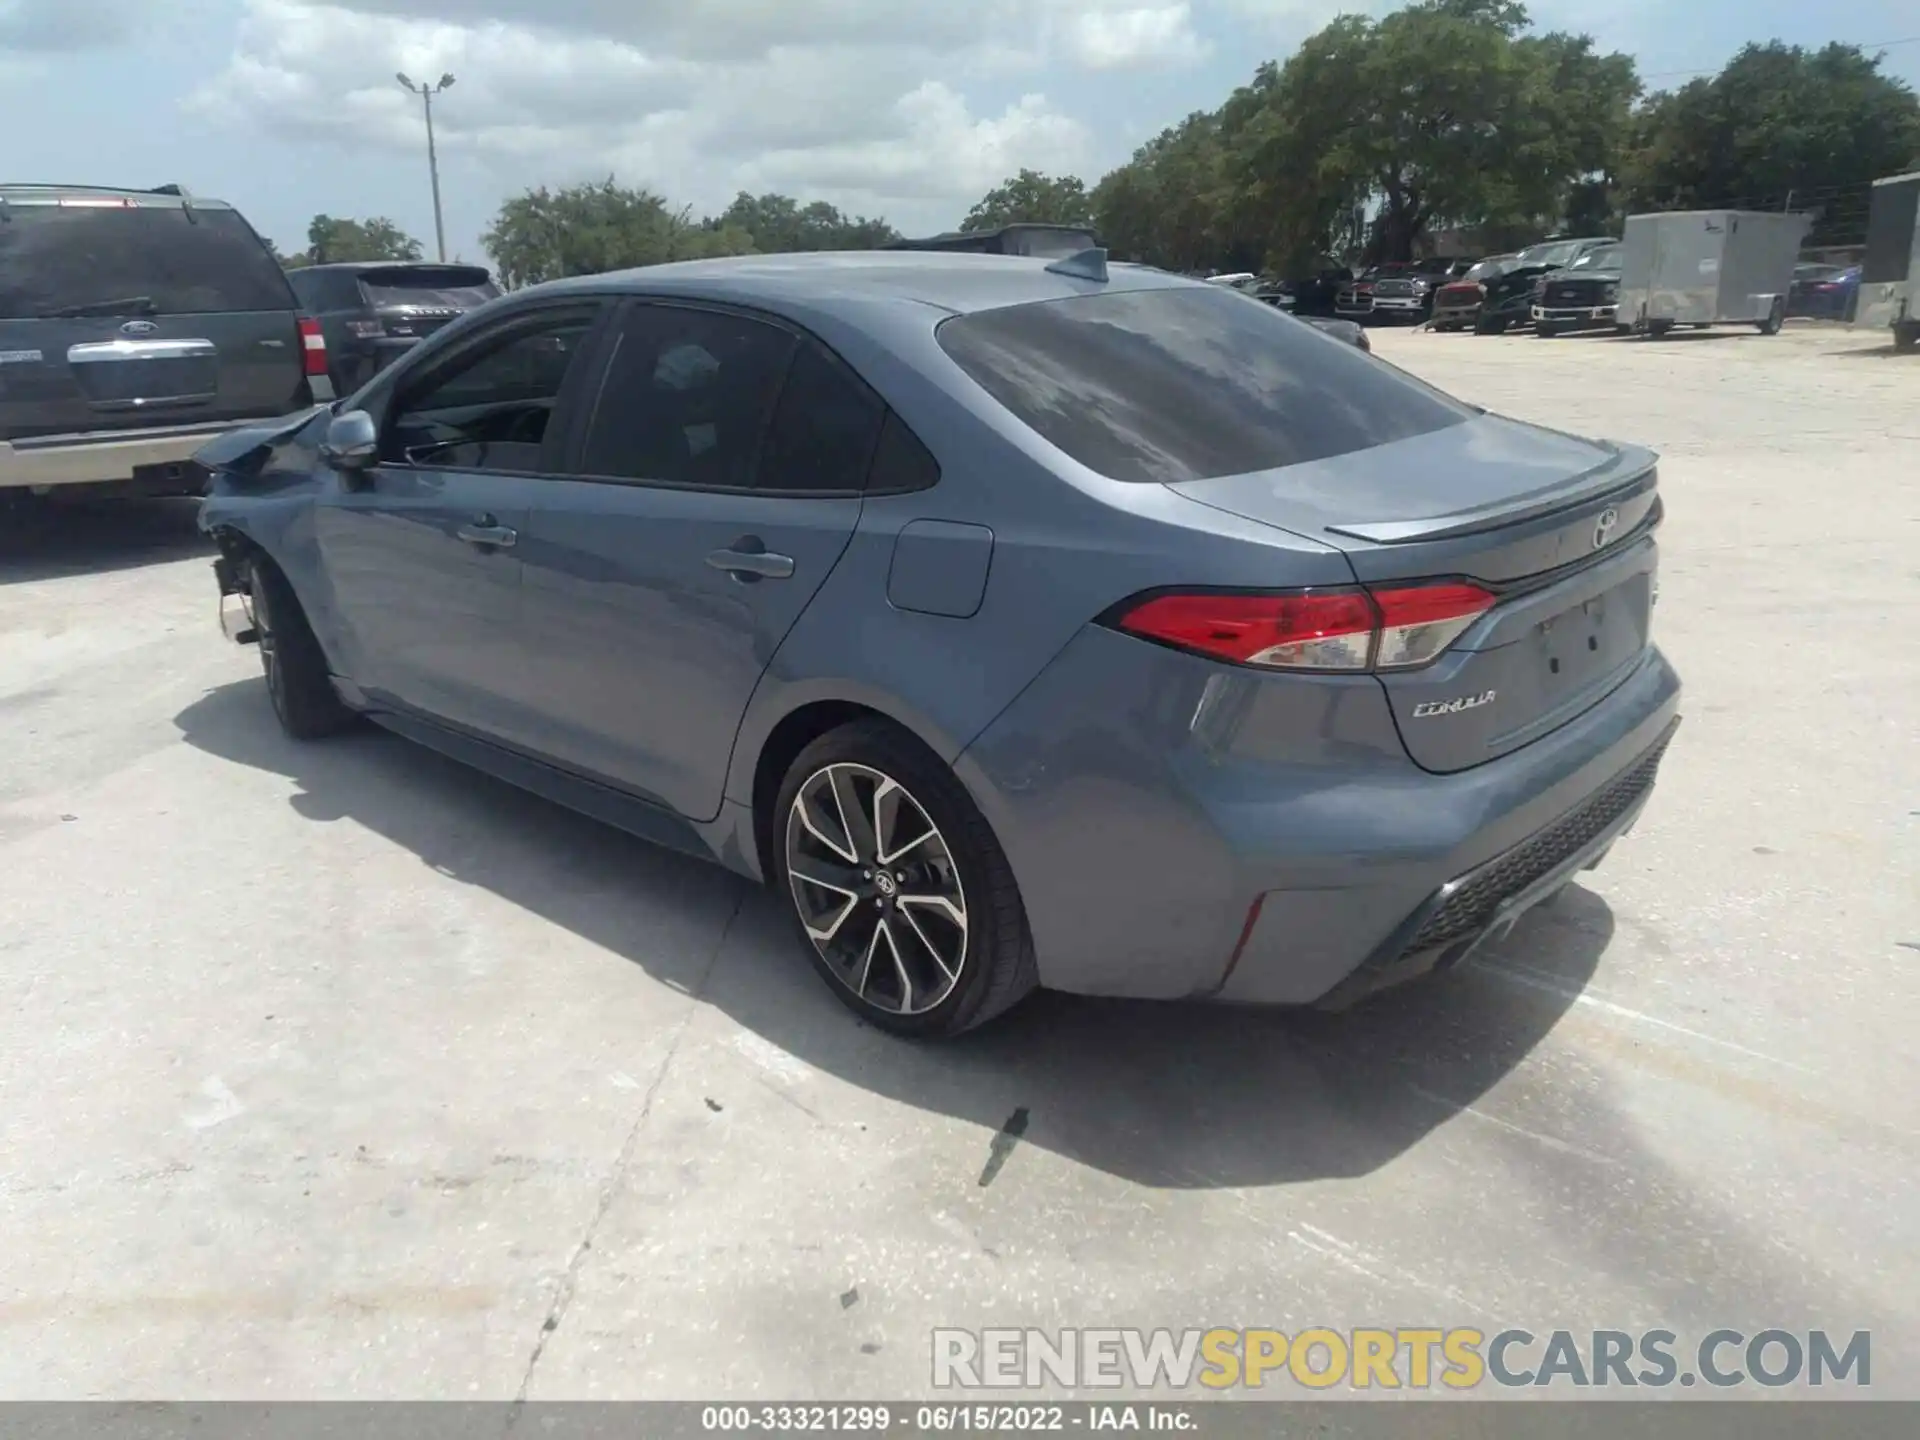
<point x="951" y="280"/>
<point x="169" y="197"/>
<point x="362" y="266"/>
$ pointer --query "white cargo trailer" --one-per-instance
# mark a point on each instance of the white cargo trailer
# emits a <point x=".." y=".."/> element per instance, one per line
<point x="1890" y="274"/>
<point x="1709" y="267"/>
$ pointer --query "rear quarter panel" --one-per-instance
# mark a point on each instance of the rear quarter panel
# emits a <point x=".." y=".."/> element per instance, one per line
<point x="1067" y="545"/>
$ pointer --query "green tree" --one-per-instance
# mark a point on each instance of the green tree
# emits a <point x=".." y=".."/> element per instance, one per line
<point x="331" y="241"/>
<point x="780" y="224"/>
<point x="590" y="228"/>
<point x="1441" y="113"/>
<point x="1777" y="119"/>
<point x="1032" y="197"/>
<point x="1445" y="113"/>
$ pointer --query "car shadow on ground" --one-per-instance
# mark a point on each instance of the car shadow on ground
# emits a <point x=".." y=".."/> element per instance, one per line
<point x="1886" y="350"/>
<point x="43" y="540"/>
<point x="1171" y="1095"/>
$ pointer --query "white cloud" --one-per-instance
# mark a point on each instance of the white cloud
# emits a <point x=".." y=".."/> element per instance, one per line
<point x="1120" y="39"/>
<point x="860" y="102"/>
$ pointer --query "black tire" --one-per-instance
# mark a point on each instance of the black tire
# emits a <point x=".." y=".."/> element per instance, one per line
<point x="1906" y="334"/>
<point x="298" y="681"/>
<point x="995" y="967"/>
<point x="1776" y="317"/>
<point x="1546" y="329"/>
<point x="1485" y="326"/>
<point x="1658" y="329"/>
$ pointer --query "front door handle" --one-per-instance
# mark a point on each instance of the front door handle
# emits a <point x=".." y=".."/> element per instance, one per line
<point x="748" y="559"/>
<point x="484" y="531"/>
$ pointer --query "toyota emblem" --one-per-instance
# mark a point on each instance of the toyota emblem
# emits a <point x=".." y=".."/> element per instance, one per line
<point x="1603" y="526"/>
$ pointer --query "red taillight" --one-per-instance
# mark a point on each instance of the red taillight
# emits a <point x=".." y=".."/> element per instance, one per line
<point x="313" y="346"/>
<point x="1392" y="629"/>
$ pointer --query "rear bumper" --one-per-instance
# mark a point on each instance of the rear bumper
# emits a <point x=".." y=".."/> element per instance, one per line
<point x="46" y="461"/>
<point x="1266" y="840"/>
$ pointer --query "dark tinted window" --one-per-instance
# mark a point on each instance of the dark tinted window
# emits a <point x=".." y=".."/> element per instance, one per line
<point x="490" y="411"/>
<point x="900" y="462"/>
<point x="309" y="289"/>
<point x="54" y="257"/>
<point x="686" y="398"/>
<point x="824" y="428"/>
<point x="1184" y="384"/>
<point x="442" y="286"/>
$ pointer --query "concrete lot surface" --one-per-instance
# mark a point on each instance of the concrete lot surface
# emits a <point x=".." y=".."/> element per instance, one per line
<point x="338" y="1071"/>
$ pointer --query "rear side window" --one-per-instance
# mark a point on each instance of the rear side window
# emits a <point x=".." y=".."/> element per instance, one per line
<point x="63" y="257"/>
<point x="824" y="428"/>
<point x="686" y="398"/>
<point x="901" y="463"/>
<point x="1188" y="383"/>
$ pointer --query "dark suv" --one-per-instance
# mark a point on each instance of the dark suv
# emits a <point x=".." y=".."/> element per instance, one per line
<point x="135" y="325"/>
<point x="373" y="312"/>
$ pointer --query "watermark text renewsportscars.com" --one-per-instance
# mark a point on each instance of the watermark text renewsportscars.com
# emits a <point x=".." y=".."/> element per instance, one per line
<point x="1407" y="1358"/>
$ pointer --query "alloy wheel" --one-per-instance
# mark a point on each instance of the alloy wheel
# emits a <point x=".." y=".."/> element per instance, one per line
<point x="876" y="888"/>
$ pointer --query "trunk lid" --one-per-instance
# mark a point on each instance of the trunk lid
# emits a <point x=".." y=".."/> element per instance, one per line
<point x="1558" y="528"/>
<point x="413" y="301"/>
<point x="62" y="376"/>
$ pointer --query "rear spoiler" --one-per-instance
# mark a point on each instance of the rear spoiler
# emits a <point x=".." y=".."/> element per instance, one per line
<point x="1621" y="476"/>
<point x="228" y="451"/>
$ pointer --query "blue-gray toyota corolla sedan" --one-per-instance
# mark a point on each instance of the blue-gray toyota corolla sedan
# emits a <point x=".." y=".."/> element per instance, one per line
<point x="1019" y="623"/>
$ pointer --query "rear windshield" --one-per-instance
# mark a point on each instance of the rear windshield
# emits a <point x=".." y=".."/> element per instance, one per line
<point x="56" y="257"/>
<point x="464" y="286"/>
<point x="1188" y="383"/>
<point x="1049" y="244"/>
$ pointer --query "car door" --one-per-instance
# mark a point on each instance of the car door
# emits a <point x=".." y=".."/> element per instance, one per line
<point x="421" y="551"/>
<point x="716" y="482"/>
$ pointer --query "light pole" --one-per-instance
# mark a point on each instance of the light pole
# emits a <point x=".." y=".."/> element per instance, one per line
<point x="426" y="94"/>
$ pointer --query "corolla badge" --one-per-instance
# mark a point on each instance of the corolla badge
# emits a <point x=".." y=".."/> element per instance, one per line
<point x="1603" y="526"/>
<point x="1429" y="708"/>
<point x="138" y="327"/>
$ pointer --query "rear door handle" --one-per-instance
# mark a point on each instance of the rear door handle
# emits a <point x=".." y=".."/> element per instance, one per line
<point x="488" y="533"/>
<point x="749" y="559"/>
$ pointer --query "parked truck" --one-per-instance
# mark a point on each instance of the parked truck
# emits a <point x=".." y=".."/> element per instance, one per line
<point x="1889" y="297"/>
<point x="1709" y="267"/>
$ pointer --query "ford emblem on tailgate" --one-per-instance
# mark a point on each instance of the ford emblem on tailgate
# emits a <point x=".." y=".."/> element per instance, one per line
<point x="1603" y="526"/>
<point x="138" y="327"/>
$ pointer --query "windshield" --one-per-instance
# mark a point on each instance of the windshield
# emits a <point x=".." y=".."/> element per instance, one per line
<point x="1487" y="269"/>
<point x="1187" y="383"/>
<point x="136" y="260"/>
<point x="1604" y="261"/>
<point x="1553" y="252"/>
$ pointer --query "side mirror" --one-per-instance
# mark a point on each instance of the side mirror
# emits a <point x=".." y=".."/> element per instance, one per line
<point x="352" y="442"/>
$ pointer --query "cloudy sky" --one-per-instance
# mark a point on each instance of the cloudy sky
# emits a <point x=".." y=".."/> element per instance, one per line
<point x="903" y="108"/>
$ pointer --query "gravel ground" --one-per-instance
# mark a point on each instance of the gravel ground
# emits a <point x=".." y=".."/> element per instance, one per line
<point x="338" y="1071"/>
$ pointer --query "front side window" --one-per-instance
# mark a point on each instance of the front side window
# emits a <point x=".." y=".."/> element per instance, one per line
<point x="686" y="398"/>
<point x="1187" y="383"/>
<point x="105" y="259"/>
<point x="490" y="411"/>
